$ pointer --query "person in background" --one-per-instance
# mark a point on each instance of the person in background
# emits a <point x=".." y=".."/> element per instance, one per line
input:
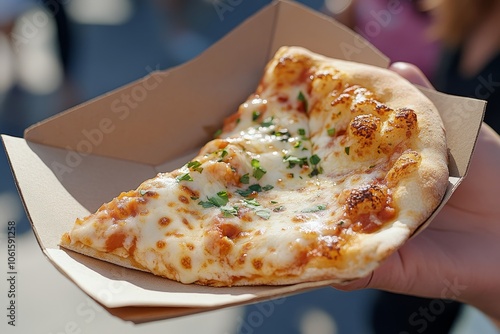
<point x="398" y="28"/>
<point x="470" y="61"/>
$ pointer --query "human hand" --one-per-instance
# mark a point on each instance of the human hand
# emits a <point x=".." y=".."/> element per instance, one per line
<point x="458" y="255"/>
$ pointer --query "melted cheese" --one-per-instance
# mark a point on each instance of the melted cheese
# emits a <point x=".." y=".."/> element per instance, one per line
<point x="272" y="192"/>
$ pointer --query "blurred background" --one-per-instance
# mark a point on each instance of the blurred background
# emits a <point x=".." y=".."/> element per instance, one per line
<point x="55" y="54"/>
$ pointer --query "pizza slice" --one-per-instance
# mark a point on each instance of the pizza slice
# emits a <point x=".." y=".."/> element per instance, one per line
<point x="322" y="173"/>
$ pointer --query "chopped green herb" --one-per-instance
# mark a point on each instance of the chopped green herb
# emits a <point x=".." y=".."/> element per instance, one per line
<point x="267" y="187"/>
<point x="319" y="207"/>
<point x="293" y="161"/>
<point x="223" y="153"/>
<point x="331" y="132"/>
<point x="184" y="177"/>
<point x="251" y="202"/>
<point x="258" y="171"/>
<point x="263" y="213"/>
<point x="314" y="159"/>
<point x="195" y="165"/>
<point x="297" y="144"/>
<point x="195" y="198"/>
<point x="267" y="122"/>
<point x="347" y="149"/>
<point x="254" y="188"/>
<point x="316" y="171"/>
<point x="273" y="202"/>
<point x="302" y="132"/>
<point x="229" y="211"/>
<point x="206" y="204"/>
<point x="283" y="134"/>
<point x="301" y="97"/>
<point x="340" y="223"/>
<point x="245" y="179"/>
<point x="219" y="200"/>
<point x="255" y="115"/>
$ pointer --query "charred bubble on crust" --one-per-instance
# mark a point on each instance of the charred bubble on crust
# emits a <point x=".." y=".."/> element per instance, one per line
<point x="405" y="118"/>
<point x="367" y="199"/>
<point x="365" y="127"/>
<point x="291" y="69"/>
<point x="406" y="164"/>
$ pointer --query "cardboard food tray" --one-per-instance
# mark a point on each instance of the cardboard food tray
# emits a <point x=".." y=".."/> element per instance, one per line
<point x="67" y="166"/>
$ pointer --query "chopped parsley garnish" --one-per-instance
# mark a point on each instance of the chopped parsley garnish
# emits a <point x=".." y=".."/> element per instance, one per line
<point x="331" y="132"/>
<point x="267" y="187"/>
<point x="245" y="179"/>
<point x="340" y="223"/>
<point x="258" y="171"/>
<point x="297" y="144"/>
<point x="283" y="134"/>
<point x="229" y="211"/>
<point x="347" y="149"/>
<point x="293" y="161"/>
<point x="254" y="188"/>
<point x="251" y="202"/>
<point x="195" y="165"/>
<point x="302" y="132"/>
<point x="219" y="200"/>
<point x="301" y="97"/>
<point x="184" y="177"/>
<point x="263" y="213"/>
<point x="319" y="207"/>
<point x="267" y="122"/>
<point x="223" y="153"/>
<point x="255" y="115"/>
<point x="314" y="159"/>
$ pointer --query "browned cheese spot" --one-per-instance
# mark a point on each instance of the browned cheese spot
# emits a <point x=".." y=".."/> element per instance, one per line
<point x="183" y="199"/>
<point x="257" y="264"/>
<point x="164" y="221"/>
<point x="367" y="199"/>
<point x="160" y="244"/>
<point x="187" y="224"/>
<point x="186" y="262"/>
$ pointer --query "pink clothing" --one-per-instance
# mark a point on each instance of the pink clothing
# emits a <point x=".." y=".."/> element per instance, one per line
<point x="399" y="30"/>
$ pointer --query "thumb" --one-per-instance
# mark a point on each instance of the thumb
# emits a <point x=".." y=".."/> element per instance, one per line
<point x="411" y="73"/>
